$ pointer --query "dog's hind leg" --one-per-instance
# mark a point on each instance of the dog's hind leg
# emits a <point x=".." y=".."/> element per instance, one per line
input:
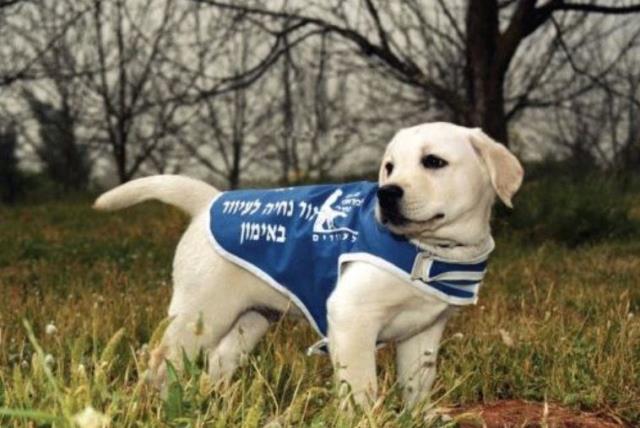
<point x="235" y="347"/>
<point x="189" y="333"/>
<point x="209" y="296"/>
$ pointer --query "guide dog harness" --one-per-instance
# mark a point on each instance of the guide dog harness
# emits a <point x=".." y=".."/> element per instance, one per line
<point x="297" y="239"/>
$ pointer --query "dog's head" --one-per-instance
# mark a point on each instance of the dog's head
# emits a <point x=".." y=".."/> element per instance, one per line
<point x="439" y="180"/>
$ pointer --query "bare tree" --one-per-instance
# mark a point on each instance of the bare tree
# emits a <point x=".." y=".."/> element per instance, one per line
<point x="15" y="65"/>
<point x="127" y="59"/>
<point x="107" y="72"/>
<point x="288" y="153"/>
<point x="290" y="118"/>
<point x="16" y="33"/>
<point x="625" y="134"/>
<point x="319" y="124"/>
<point x="577" y="132"/>
<point x="487" y="33"/>
<point x="10" y="177"/>
<point x="227" y="129"/>
<point x="602" y="126"/>
<point x="56" y="99"/>
<point x="65" y="162"/>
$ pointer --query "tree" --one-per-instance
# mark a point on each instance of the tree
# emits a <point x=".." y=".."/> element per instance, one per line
<point x="602" y="126"/>
<point x="319" y="125"/>
<point x="15" y="66"/>
<point x="226" y="127"/>
<point x="20" y="64"/>
<point x="56" y="101"/>
<point x="128" y="60"/>
<point x="249" y="119"/>
<point x="625" y="131"/>
<point x="10" y="177"/>
<point x="65" y="161"/>
<point x="486" y="36"/>
<point x="107" y="71"/>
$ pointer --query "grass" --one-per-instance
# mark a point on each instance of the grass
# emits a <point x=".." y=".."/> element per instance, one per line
<point x="104" y="282"/>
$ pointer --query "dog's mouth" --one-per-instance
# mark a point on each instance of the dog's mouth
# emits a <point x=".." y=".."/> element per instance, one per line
<point x="393" y="218"/>
<point x="396" y="219"/>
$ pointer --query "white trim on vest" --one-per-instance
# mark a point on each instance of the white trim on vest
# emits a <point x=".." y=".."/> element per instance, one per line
<point x="412" y="279"/>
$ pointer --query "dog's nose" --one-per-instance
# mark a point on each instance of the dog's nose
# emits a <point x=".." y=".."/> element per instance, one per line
<point x="389" y="195"/>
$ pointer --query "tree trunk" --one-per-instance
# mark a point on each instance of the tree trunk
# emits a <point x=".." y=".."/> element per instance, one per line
<point x="289" y="151"/>
<point x="484" y="75"/>
<point x="234" y="176"/>
<point x="120" y="155"/>
<point x="631" y="151"/>
<point x="234" y="173"/>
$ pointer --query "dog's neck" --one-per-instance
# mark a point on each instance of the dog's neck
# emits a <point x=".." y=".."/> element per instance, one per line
<point x="457" y="252"/>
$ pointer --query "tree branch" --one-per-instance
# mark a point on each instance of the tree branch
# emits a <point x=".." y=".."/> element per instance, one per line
<point x="8" y="3"/>
<point x="405" y="71"/>
<point x="382" y="34"/>
<point x="595" y="8"/>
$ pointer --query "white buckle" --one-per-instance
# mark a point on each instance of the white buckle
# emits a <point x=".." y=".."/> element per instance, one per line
<point x="421" y="267"/>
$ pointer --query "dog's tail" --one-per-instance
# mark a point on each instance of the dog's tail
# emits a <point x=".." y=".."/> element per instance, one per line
<point x="188" y="194"/>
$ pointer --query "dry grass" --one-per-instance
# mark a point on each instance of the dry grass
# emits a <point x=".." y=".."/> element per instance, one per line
<point x="568" y="336"/>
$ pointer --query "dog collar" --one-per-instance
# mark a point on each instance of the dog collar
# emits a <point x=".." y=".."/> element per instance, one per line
<point x="450" y="280"/>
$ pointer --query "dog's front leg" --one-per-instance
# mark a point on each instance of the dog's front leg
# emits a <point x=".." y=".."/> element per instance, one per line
<point x="355" y="319"/>
<point x="416" y="362"/>
<point x="352" y="344"/>
<point x="366" y="298"/>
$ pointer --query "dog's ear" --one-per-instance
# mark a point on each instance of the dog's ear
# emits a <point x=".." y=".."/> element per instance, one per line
<point x="505" y="170"/>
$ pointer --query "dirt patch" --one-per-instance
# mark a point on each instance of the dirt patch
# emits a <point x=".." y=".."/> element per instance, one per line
<point x="516" y="413"/>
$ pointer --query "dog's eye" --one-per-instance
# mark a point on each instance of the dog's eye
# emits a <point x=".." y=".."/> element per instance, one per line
<point x="433" y="162"/>
<point x="388" y="167"/>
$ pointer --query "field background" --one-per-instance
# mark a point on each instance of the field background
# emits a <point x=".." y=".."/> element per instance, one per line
<point x="264" y="93"/>
<point x="557" y="322"/>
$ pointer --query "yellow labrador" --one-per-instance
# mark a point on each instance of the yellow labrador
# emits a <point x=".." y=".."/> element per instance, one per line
<point x="437" y="184"/>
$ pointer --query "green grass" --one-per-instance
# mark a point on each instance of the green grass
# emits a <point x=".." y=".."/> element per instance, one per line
<point x="104" y="282"/>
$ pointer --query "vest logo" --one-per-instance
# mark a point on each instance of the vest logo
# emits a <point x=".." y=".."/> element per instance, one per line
<point x="326" y="225"/>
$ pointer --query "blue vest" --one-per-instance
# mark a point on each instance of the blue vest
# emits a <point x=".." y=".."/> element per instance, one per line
<point x="297" y="238"/>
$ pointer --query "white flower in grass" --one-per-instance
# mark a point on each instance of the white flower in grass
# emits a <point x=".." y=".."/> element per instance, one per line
<point x="50" y="329"/>
<point x="91" y="418"/>
<point x="274" y="424"/>
<point x="630" y="315"/>
<point x="506" y="338"/>
<point x="49" y="360"/>
<point x="446" y="418"/>
<point x="458" y="336"/>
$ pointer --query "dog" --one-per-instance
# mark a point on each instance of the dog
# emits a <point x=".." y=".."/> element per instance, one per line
<point x="415" y="249"/>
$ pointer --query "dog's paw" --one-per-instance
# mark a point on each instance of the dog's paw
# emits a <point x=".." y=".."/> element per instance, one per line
<point x="156" y="374"/>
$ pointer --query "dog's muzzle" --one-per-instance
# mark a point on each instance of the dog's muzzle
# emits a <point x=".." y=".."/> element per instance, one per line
<point x="389" y="197"/>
